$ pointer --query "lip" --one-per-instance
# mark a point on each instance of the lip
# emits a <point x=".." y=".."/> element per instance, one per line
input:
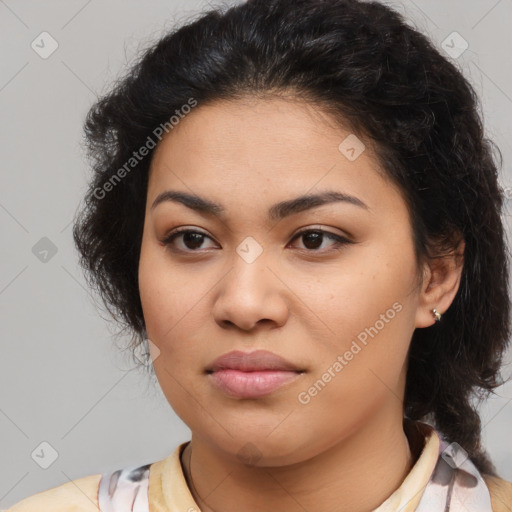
<point x="258" y="360"/>
<point x="251" y="374"/>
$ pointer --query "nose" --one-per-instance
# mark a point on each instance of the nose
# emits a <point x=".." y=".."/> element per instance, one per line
<point x="251" y="294"/>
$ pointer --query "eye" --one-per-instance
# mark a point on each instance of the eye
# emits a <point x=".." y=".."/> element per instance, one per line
<point x="192" y="240"/>
<point x="313" y="238"/>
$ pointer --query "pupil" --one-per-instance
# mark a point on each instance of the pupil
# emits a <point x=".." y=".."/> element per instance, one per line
<point x="314" y="237"/>
<point x="188" y="239"/>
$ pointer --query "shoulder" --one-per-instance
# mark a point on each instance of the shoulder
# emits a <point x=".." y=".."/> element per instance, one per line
<point x="103" y="491"/>
<point x="80" y="495"/>
<point x="501" y="493"/>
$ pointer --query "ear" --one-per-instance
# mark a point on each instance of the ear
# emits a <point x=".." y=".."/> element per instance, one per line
<point x="441" y="280"/>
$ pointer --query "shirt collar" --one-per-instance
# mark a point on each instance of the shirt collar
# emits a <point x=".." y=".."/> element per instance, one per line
<point x="422" y="438"/>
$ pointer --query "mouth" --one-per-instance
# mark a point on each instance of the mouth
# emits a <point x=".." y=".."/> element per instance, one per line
<point x="257" y="384"/>
<point x="258" y="360"/>
<point x="251" y="374"/>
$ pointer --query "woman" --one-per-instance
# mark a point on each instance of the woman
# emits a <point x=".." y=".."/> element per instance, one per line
<point x="295" y="210"/>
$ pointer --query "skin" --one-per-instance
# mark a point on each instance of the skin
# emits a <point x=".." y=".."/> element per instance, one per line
<point x="304" y="302"/>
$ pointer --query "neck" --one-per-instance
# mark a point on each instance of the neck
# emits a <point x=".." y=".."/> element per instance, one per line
<point x="336" y="479"/>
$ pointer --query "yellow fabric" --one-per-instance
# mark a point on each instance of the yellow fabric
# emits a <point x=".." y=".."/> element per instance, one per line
<point x="78" y="495"/>
<point x="501" y="493"/>
<point x="169" y="492"/>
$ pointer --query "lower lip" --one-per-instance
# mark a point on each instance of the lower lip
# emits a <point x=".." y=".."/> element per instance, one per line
<point x="251" y="384"/>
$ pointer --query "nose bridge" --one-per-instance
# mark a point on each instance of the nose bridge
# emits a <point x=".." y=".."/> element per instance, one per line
<point x="249" y="250"/>
<point x="250" y="291"/>
<point x="250" y="263"/>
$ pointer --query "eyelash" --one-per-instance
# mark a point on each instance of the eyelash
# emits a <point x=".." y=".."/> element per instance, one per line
<point x="338" y="246"/>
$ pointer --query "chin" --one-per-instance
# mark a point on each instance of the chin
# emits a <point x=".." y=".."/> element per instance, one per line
<point x="264" y="450"/>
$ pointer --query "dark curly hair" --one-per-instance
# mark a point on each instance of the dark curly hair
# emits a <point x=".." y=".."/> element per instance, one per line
<point x="363" y="64"/>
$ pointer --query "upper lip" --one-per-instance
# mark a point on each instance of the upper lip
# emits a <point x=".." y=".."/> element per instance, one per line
<point x="251" y="361"/>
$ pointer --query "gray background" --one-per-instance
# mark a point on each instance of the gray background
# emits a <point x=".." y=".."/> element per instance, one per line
<point x="62" y="381"/>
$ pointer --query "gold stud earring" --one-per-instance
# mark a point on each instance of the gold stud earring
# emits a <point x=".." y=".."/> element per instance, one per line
<point x="436" y="314"/>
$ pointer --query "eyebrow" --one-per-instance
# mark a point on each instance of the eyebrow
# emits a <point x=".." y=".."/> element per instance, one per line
<point x="276" y="212"/>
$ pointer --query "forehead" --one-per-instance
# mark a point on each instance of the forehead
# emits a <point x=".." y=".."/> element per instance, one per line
<point x="253" y="150"/>
<point x="263" y="130"/>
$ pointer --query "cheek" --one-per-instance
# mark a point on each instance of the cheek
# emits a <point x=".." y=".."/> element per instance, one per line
<point x="168" y="315"/>
<point x="166" y="294"/>
<point x="173" y="304"/>
<point x="360" y="369"/>
<point x="369" y="305"/>
<point x="352" y="294"/>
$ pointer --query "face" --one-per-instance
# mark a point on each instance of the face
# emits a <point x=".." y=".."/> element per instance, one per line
<point x="330" y="287"/>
